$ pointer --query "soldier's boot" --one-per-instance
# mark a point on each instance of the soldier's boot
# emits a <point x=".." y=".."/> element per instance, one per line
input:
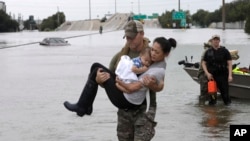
<point x="85" y="102"/>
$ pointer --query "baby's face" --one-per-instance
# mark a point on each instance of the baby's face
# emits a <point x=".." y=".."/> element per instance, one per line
<point x="146" y="60"/>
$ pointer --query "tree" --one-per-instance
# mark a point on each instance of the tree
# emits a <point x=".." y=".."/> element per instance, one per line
<point x="188" y="17"/>
<point x="6" y="23"/>
<point x="200" y="18"/>
<point x="247" y="25"/>
<point x="235" y="11"/>
<point x="165" y="20"/>
<point x="52" y="22"/>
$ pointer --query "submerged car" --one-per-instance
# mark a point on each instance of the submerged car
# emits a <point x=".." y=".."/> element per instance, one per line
<point x="54" y="41"/>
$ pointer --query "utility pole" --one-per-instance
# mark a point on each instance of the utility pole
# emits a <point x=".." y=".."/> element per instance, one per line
<point x="115" y="6"/>
<point x="179" y="5"/>
<point x="139" y="12"/>
<point x="58" y="18"/>
<point x="223" y="14"/>
<point x="89" y="10"/>
<point x="132" y="7"/>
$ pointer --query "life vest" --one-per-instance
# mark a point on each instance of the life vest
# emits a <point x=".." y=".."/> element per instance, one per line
<point x="216" y="60"/>
<point x="242" y="71"/>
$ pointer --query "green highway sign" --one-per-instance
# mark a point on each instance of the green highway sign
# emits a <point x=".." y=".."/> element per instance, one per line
<point x="155" y="15"/>
<point x="178" y="15"/>
<point x="139" y="17"/>
<point x="183" y="22"/>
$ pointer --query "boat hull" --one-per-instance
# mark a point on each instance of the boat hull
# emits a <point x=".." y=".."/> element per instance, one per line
<point x="239" y="88"/>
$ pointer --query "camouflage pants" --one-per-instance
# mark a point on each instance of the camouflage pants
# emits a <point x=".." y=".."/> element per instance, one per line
<point x="136" y="125"/>
<point x="203" y="87"/>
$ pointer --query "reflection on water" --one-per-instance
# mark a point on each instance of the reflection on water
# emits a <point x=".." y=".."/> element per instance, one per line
<point x="215" y="120"/>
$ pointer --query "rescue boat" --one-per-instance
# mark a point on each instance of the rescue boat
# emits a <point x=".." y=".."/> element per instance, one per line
<point x="238" y="88"/>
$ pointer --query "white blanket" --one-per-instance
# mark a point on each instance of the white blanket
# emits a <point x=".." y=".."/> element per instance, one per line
<point x="124" y="70"/>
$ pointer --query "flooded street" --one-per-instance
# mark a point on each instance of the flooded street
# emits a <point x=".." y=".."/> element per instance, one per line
<point x="36" y="80"/>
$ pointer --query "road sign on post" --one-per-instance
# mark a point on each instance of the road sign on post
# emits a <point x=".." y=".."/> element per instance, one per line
<point x="139" y="17"/>
<point x="178" y="15"/>
<point x="183" y="22"/>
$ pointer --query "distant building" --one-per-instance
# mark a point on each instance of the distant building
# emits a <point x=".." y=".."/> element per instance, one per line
<point x="2" y="6"/>
<point x="31" y="18"/>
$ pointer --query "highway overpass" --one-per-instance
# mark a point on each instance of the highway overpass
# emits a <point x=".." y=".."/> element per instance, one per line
<point x="115" y="22"/>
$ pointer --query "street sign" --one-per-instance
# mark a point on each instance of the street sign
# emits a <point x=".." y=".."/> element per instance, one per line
<point x="139" y="17"/>
<point x="178" y="15"/>
<point x="183" y="22"/>
<point x="155" y="15"/>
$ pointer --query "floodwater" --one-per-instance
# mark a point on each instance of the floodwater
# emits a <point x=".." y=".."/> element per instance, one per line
<point x="36" y="80"/>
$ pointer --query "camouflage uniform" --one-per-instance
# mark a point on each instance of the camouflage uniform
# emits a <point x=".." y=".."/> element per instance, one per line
<point x="203" y="84"/>
<point x="135" y="124"/>
<point x="202" y="76"/>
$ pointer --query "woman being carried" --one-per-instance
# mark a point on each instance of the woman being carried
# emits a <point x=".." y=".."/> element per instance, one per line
<point x="115" y="88"/>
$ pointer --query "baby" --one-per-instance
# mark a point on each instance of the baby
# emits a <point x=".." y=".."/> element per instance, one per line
<point x="128" y="69"/>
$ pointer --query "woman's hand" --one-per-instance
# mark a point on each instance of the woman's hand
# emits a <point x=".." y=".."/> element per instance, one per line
<point x="151" y="83"/>
<point x="230" y="78"/>
<point x="128" y="87"/>
<point x="101" y="76"/>
<point x="209" y="76"/>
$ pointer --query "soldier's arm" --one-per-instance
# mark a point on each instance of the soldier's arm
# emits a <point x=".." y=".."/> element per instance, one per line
<point x="113" y="62"/>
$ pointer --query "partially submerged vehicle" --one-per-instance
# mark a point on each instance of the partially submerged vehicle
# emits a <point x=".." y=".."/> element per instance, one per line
<point x="238" y="88"/>
<point x="54" y="41"/>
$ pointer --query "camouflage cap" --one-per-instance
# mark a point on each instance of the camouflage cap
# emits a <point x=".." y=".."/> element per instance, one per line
<point x="132" y="28"/>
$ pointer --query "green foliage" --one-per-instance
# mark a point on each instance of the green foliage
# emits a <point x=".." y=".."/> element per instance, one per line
<point x="247" y="25"/>
<point x="235" y="11"/>
<point x="166" y="20"/>
<point x="52" y="22"/>
<point x="6" y="23"/>
<point x="201" y="18"/>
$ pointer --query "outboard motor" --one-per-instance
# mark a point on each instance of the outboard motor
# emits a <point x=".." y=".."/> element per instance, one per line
<point x="235" y="65"/>
<point x="197" y="65"/>
<point x="182" y="62"/>
<point x="187" y="64"/>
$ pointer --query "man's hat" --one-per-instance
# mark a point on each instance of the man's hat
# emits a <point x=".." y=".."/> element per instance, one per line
<point x="215" y="36"/>
<point x="132" y="28"/>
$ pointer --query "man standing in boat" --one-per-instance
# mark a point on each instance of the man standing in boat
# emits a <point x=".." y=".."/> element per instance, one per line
<point x="217" y="65"/>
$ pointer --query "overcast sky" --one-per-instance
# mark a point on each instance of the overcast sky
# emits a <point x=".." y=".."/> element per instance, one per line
<point x="79" y="9"/>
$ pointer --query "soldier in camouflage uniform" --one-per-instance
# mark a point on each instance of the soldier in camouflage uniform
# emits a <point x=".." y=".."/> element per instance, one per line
<point x="202" y="76"/>
<point x="134" y="124"/>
